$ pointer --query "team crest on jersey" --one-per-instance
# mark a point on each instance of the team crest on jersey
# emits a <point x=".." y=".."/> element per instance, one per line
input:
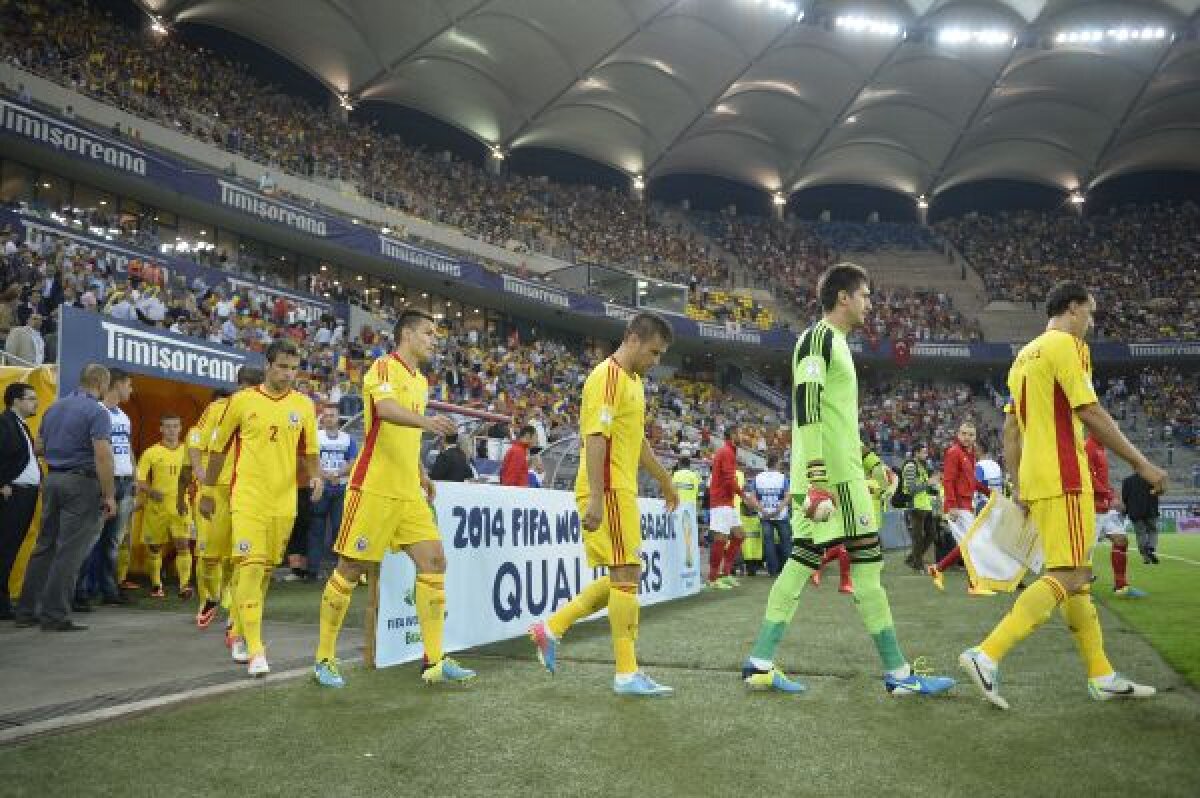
<point x="384" y="387"/>
<point x="864" y="520"/>
<point x="243" y="547"/>
<point x="606" y="415"/>
<point x="361" y="544"/>
<point x="813" y="369"/>
<point x="294" y="417"/>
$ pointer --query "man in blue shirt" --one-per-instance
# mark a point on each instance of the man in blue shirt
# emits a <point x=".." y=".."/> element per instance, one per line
<point x="772" y="489"/>
<point x="79" y="495"/>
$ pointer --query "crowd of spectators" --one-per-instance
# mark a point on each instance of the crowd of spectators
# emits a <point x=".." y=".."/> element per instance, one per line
<point x="897" y="416"/>
<point x="201" y="93"/>
<point x="788" y="257"/>
<point x="1143" y="263"/>
<point x="1162" y="399"/>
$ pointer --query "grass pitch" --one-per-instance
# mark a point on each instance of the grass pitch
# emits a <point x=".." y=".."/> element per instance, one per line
<point x="518" y="731"/>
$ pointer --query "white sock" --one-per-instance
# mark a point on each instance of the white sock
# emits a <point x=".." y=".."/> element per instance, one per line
<point x="1105" y="681"/>
<point x="984" y="658"/>
<point x="624" y="678"/>
<point x="761" y="664"/>
<point x="901" y="673"/>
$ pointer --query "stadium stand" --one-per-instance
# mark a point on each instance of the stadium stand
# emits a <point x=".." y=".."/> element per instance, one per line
<point x="1142" y="261"/>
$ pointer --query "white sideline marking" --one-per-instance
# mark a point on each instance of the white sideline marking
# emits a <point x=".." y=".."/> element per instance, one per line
<point x="104" y="714"/>
<point x="1180" y="559"/>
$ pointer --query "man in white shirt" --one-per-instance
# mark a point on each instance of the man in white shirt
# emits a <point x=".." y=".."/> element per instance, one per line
<point x="25" y="342"/>
<point x="774" y="496"/>
<point x="337" y="452"/>
<point x="103" y="572"/>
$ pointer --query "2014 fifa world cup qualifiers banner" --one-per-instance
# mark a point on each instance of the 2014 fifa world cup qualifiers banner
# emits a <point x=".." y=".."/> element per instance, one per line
<point x="516" y="555"/>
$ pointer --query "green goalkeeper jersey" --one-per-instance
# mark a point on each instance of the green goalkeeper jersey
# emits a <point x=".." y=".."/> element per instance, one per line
<point x="825" y="432"/>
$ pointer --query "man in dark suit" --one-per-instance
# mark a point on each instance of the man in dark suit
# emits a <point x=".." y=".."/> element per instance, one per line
<point x="451" y="464"/>
<point x="20" y="480"/>
<point x="1141" y="505"/>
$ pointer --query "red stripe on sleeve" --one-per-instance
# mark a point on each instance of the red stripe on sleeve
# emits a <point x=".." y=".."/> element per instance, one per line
<point x="1064" y="439"/>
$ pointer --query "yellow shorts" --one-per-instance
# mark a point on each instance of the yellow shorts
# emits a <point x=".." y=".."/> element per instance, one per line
<point x="373" y="525"/>
<point x="214" y="538"/>
<point x="1067" y="526"/>
<point x="618" y="539"/>
<point x="161" y="525"/>
<point x="261" y="537"/>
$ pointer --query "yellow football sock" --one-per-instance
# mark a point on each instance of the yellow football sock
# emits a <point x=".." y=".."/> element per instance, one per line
<point x="1080" y="613"/>
<point x="623" y="619"/>
<point x="123" y="563"/>
<point x="334" y="603"/>
<point x="208" y="578"/>
<point x="592" y="598"/>
<point x="183" y="567"/>
<point x="1029" y="612"/>
<point x="154" y="566"/>
<point x="228" y="569"/>
<point x="431" y="613"/>
<point x="229" y="601"/>
<point x="249" y="599"/>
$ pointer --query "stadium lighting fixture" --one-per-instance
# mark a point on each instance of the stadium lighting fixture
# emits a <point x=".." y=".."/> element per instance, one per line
<point x="346" y="103"/>
<point x="639" y="183"/>
<point x="876" y="27"/>
<point x="778" y="199"/>
<point x="922" y="203"/>
<point x="1076" y="198"/>
<point x="1121" y="34"/>
<point x="385" y="230"/>
<point x="498" y="153"/>
<point x="986" y="36"/>
<point x="157" y="27"/>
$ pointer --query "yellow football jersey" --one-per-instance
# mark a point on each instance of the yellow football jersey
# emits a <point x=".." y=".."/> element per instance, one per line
<point x="201" y="433"/>
<point x="614" y="405"/>
<point x="390" y="461"/>
<point x="1051" y="377"/>
<point x="160" y="468"/>
<point x="266" y="433"/>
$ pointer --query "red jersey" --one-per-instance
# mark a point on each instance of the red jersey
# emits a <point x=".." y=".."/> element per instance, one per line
<point x="723" y="485"/>
<point x="958" y="478"/>
<point x="514" y="471"/>
<point x="1097" y="459"/>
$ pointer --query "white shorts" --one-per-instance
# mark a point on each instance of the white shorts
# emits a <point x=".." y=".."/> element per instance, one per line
<point x="722" y="520"/>
<point x="1110" y="523"/>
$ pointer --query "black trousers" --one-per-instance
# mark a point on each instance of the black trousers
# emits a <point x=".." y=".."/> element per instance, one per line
<point x="15" y="514"/>
<point x="924" y="530"/>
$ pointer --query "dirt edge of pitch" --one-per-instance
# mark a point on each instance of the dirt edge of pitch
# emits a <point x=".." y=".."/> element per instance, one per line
<point x="95" y="717"/>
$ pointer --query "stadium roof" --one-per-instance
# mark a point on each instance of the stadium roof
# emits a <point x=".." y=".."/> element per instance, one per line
<point x="776" y="94"/>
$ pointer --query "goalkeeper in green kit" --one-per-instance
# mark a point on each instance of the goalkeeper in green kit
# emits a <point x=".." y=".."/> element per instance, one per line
<point x="832" y="503"/>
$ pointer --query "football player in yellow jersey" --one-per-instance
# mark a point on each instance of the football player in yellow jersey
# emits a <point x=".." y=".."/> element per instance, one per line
<point x="164" y="514"/>
<point x="388" y="502"/>
<point x="213" y="537"/>
<point x="1051" y="402"/>
<point x="612" y="425"/>
<point x="263" y="429"/>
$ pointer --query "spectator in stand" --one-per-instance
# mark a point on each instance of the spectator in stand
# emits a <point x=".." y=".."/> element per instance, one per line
<point x="514" y="471"/>
<point x="337" y="451"/>
<point x="25" y="343"/>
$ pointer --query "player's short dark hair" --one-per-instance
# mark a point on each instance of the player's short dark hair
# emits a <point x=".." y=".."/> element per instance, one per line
<point x="169" y="416"/>
<point x="116" y="375"/>
<point x="730" y="431"/>
<point x="14" y="391"/>
<point x="647" y="326"/>
<point x="772" y="460"/>
<point x="410" y="318"/>
<point x="837" y="278"/>
<point x="1062" y="295"/>
<point x="222" y="393"/>
<point x="527" y="430"/>
<point x="282" y="346"/>
<point x="250" y="376"/>
<point x="683" y="462"/>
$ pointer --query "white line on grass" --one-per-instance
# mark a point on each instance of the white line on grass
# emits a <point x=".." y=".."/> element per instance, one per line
<point x="1180" y="559"/>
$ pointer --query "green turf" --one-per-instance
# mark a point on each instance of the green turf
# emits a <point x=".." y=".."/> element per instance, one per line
<point x="518" y="731"/>
<point x="1168" y="617"/>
